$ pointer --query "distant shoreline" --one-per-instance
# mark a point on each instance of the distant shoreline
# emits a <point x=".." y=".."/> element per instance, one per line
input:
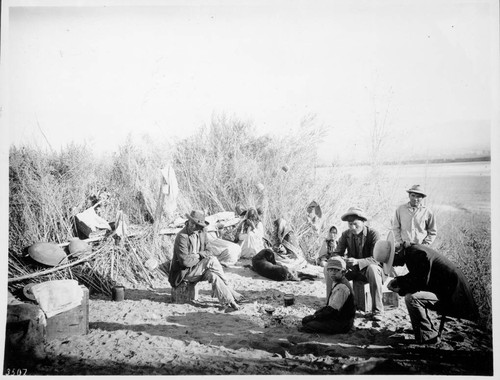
<point x="441" y="160"/>
<point x="422" y="161"/>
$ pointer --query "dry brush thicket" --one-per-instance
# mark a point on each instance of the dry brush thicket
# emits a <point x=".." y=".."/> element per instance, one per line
<point x="217" y="168"/>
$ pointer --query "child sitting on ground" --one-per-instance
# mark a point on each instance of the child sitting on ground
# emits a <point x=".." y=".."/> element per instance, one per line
<point x="338" y="314"/>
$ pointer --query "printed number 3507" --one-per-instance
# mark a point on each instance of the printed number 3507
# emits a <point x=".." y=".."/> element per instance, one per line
<point x="16" y="371"/>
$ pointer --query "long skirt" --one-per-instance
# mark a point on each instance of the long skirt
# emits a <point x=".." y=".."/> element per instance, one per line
<point x="228" y="253"/>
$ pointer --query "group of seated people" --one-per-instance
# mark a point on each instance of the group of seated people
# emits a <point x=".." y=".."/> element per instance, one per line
<point x="431" y="281"/>
<point x="249" y="240"/>
<point x="199" y="256"/>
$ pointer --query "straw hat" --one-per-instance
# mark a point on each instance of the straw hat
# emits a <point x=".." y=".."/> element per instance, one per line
<point x="355" y="211"/>
<point x="49" y="254"/>
<point x="198" y="217"/>
<point x="77" y="246"/>
<point x="383" y="252"/>
<point x="417" y="189"/>
<point x="27" y="291"/>
<point x="336" y="262"/>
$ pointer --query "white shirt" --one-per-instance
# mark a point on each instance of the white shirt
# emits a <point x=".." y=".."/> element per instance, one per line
<point x="415" y="225"/>
<point x="338" y="296"/>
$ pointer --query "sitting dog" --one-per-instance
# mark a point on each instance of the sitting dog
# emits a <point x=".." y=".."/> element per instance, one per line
<point x="264" y="264"/>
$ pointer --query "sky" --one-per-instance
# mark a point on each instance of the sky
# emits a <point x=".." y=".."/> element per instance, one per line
<point x="425" y="72"/>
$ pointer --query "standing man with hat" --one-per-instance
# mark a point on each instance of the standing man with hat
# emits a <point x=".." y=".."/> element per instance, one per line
<point x="414" y="223"/>
<point x="432" y="283"/>
<point x="192" y="261"/>
<point x="338" y="314"/>
<point x="358" y="241"/>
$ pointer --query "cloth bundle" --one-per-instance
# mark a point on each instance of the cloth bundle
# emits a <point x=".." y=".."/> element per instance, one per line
<point x="58" y="296"/>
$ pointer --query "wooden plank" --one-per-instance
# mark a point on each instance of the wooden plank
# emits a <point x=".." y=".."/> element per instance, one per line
<point x="184" y="293"/>
<point x="364" y="299"/>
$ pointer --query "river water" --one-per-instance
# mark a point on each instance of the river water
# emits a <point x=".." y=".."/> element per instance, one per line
<point x="462" y="186"/>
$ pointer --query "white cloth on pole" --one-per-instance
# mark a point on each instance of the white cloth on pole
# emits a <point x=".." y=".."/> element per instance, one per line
<point x="170" y="188"/>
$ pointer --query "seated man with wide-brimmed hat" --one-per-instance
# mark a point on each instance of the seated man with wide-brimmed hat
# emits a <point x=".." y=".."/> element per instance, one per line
<point x="192" y="262"/>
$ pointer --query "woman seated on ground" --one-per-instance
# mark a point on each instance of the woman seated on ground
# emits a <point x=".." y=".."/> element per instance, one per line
<point x="329" y="244"/>
<point x="250" y="234"/>
<point x="287" y="251"/>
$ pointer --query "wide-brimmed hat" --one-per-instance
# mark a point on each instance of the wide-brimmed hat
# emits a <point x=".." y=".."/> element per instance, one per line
<point x="417" y="189"/>
<point x="78" y="247"/>
<point x="336" y="262"/>
<point x="27" y="291"/>
<point x="49" y="254"/>
<point x="198" y="217"/>
<point x="355" y="211"/>
<point x="383" y="252"/>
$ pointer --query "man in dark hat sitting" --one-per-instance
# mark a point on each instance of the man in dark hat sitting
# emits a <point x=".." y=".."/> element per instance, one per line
<point x="358" y="242"/>
<point x="192" y="261"/>
<point x="433" y="282"/>
<point x="414" y="223"/>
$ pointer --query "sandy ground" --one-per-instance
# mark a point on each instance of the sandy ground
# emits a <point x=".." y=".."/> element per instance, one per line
<point x="147" y="335"/>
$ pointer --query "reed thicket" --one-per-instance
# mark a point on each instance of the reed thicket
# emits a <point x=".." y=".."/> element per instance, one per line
<point x="465" y="238"/>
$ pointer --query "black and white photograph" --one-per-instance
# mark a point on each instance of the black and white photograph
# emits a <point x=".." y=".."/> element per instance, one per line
<point x="249" y="187"/>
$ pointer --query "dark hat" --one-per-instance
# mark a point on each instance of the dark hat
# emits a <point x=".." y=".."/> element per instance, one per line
<point x="355" y="211"/>
<point x="198" y="217"/>
<point x="417" y="189"/>
<point x="49" y="254"/>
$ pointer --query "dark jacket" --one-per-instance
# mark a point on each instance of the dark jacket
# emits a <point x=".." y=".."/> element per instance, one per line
<point x="184" y="257"/>
<point x="347" y="242"/>
<point x="430" y="271"/>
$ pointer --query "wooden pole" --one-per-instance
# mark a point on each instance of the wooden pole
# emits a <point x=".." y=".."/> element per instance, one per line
<point x="159" y="209"/>
<point x="112" y="264"/>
